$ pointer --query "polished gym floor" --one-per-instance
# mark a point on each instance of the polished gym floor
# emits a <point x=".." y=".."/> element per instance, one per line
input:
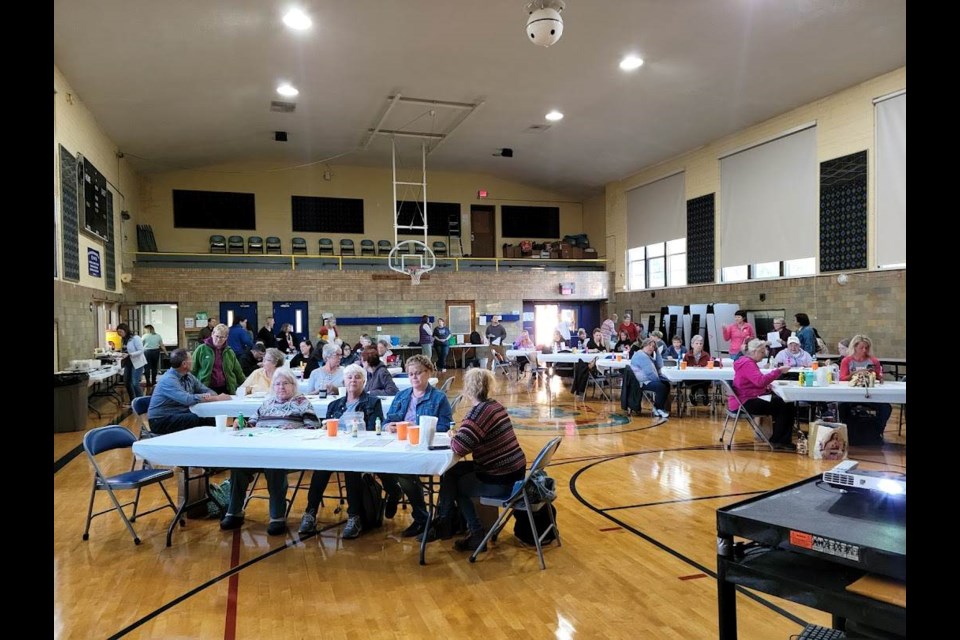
<point x="636" y="511"/>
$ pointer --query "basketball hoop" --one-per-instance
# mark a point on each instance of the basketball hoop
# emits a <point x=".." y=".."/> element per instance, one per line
<point x="412" y="258"/>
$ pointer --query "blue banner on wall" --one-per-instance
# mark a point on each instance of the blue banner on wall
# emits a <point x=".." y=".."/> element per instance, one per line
<point x="93" y="262"/>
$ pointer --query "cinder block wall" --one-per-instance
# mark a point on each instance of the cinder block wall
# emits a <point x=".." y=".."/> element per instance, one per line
<point x="75" y="323"/>
<point x="360" y="293"/>
<point x="871" y="302"/>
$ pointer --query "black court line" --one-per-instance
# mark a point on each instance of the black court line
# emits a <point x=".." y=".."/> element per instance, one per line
<point x="679" y="500"/>
<point x="212" y="581"/>
<point x="68" y="457"/>
<point x="663" y="547"/>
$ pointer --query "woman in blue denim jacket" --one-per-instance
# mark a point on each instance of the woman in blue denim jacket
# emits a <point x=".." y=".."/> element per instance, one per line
<point x="420" y="399"/>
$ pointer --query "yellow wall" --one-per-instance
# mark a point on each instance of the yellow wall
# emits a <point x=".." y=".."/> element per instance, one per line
<point x="274" y="188"/>
<point x="77" y="130"/>
<point x="595" y="222"/>
<point x="845" y="124"/>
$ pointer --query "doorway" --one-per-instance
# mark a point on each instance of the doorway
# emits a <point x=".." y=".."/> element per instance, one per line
<point x="294" y="313"/>
<point x="482" y="231"/>
<point x="230" y="311"/>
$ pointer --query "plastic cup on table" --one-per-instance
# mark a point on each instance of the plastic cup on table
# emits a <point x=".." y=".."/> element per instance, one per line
<point x="619" y="357"/>
<point x="683" y="365"/>
<point x="402" y="430"/>
<point x="221" y="423"/>
<point x="413" y="435"/>
<point x="709" y="364"/>
<point x="332" y="424"/>
<point x="815" y="365"/>
<point x="241" y="392"/>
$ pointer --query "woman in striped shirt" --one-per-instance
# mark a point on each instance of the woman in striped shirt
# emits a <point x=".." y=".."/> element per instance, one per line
<point x="498" y="461"/>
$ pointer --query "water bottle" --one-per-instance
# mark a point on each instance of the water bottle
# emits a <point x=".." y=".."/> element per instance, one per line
<point x="241" y="423"/>
<point x="377" y="428"/>
<point x="800" y="379"/>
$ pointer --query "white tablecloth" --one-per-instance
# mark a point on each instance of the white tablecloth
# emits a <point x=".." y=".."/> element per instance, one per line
<point x="612" y="363"/>
<point x="394" y="370"/>
<point x="99" y="375"/>
<point x="567" y="357"/>
<point x="890" y="392"/>
<point x="248" y="406"/>
<point x="516" y="353"/>
<point x="291" y="449"/>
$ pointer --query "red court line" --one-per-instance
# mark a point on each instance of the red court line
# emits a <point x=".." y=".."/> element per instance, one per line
<point x="612" y="529"/>
<point x="693" y="576"/>
<point x="230" y="623"/>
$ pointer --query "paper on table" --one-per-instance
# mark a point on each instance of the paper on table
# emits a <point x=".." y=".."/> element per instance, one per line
<point x="374" y="442"/>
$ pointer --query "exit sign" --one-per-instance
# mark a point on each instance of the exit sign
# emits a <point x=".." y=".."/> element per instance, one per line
<point x="482" y="193"/>
<point x="567" y="288"/>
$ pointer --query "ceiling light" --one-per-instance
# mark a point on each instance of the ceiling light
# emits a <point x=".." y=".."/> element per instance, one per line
<point x="288" y="90"/>
<point x="297" y="19"/>
<point x="554" y="115"/>
<point x="631" y="62"/>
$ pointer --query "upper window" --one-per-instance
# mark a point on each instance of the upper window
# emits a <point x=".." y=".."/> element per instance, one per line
<point x="661" y="264"/>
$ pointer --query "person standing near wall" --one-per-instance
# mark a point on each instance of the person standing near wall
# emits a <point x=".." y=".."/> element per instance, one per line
<point x="441" y="334"/>
<point x="426" y="337"/>
<point x="152" y="348"/>
<point x="738" y="333"/>
<point x="134" y="360"/>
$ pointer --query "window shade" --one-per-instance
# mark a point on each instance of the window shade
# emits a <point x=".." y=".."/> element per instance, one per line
<point x="768" y="201"/>
<point x="657" y="212"/>
<point x="892" y="180"/>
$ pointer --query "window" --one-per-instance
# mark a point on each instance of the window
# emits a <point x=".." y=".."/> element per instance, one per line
<point x="661" y="264"/>
<point x="764" y="270"/>
<point x="800" y="267"/>
<point x="734" y="274"/>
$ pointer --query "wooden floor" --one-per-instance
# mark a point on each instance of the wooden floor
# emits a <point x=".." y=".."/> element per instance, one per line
<point x="636" y="510"/>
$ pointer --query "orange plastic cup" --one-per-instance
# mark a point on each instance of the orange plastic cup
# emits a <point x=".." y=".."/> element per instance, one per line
<point x="709" y="364"/>
<point x="413" y="434"/>
<point x="619" y="357"/>
<point x="402" y="430"/>
<point x="683" y="365"/>
<point x="332" y="425"/>
<point x="815" y="365"/>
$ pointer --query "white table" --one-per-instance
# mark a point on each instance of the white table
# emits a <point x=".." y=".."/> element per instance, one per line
<point x="394" y="371"/>
<point x="248" y="406"/>
<point x="568" y="357"/>
<point x="463" y="352"/>
<point x="888" y="392"/>
<point x="402" y="383"/>
<point x="293" y="449"/>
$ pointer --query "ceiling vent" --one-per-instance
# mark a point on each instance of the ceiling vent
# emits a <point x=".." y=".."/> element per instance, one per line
<point x="536" y="128"/>
<point x="282" y="107"/>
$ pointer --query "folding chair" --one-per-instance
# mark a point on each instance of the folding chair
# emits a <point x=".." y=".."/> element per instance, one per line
<point x="235" y="244"/>
<point x="325" y="246"/>
<point x="503" y="365"/>
<point x="455" y="402"/>
<point x="218" y="244"/>
<point x="254" y="244"/>
<point x="741" y="411"/>
<point x="443" y="388"/>
<point x="102" y="439"/>
<point x="290" y="500"/>
<point x="298" y="245"/>
<point x="274" y="245"/>
<point x="347" y="248"/>
<point x="368" y="248"/>
<point x="384" y="247"/>
<point x="520" y="500"/>
<point x="139" y="407"/>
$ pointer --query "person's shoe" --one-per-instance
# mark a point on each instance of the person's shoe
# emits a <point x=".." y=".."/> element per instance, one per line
<point x="231" y="522"/>
<point x="414" y="529"/>
<point x="277" y="528"/>
<point x="352" y="529"/>
<point x="471" y="542"/>
<point x="308" y="523"/>
<point x="390" y="507"/>
<point x="660" y="413"/>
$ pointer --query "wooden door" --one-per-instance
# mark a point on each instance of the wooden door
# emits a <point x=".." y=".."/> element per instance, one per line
<point x="482" y="231"/>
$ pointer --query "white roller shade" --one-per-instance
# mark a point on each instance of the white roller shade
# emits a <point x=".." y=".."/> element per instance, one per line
<point x="657" y="212"/>
<point x="892" y="181"/>
<point x="768" y="201"/>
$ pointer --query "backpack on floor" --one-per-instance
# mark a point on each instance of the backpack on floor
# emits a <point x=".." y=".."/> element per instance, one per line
<point x="371" y="514"/>
<point x="521" y="525"/>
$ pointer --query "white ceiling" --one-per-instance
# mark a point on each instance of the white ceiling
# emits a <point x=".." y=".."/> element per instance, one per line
<point x="187" y="83"/>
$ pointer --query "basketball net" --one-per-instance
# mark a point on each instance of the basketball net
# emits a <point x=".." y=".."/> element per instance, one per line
<point x="415" y="274"/>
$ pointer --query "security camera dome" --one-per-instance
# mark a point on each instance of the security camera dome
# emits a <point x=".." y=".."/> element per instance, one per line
<point x="544" y="26"/>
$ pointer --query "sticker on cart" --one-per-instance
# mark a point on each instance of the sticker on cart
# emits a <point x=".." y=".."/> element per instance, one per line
<point x="801" y="539"/>
<point x="836" y="548"/>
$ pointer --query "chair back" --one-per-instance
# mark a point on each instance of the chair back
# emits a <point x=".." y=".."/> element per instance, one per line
<point x="443" y="388"/>
<point x="346" y="246"/>
<point x="273" y="243"/>
<point x="101" y="439"/>
<point x="218" y="243"/>
<point x="440" y="248"/>
<point x="367" y="247"/>
<point x="140" y="406"/>
<point x="539" y="464"/>
<point x="235" y="242"/>
<point x="326" y="245"/>
<point x="384" y="247"/>
<point x="456" y="401"/>
<point x="299" y="245"/>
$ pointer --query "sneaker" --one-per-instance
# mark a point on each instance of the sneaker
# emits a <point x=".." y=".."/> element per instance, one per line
<point x="353" y="528"/>
<point x="390" y="507"/>
<point x="471" y="542"/>
<point x="413" y="530"/>
<point x="660" y="413"/>
<point x="230" y="521"/>
<point x="308" y="523"/>
<point x="277" y="528"/>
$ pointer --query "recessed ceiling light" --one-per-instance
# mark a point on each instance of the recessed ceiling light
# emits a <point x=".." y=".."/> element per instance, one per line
<point x="297" y="19"/>
<point x="287" y="90"/>
<point x="554" y="115"/>
<point x="631" y="62"/>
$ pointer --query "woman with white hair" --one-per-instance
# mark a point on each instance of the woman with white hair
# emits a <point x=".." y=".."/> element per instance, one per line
<point x="261" y="380"/>
<point x="356" y="399"/>
<point x="284" y="408"/>
<point x="330" y="375"/>
<point x="751" y="387"/>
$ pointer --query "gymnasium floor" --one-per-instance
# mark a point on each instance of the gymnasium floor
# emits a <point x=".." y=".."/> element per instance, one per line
<point x="636" y="511"/>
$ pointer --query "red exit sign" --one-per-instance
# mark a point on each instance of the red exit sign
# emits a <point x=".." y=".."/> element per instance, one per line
<point x="482" y="193"/>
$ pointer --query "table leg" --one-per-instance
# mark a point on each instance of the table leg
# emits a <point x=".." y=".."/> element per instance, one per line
<point x="430" y="517"/>
<point x="726" y="591"/>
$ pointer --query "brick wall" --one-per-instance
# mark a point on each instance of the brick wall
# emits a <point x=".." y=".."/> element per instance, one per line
<point x="75" y="323"/>
<point x="872" y="302"/>
<point x="360" y="293"/>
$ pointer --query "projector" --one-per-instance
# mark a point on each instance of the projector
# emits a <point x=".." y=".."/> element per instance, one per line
<point x="846" y="476"/>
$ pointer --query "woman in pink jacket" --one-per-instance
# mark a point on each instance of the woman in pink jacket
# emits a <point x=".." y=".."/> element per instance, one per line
<point x="738" y="333"/>
<point x="749" y="385"/>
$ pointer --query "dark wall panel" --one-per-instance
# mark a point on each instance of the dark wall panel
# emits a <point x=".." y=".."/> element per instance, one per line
<point x="327" y="215"/>
<point x="530" y="222"/>
<point x="214" y="210"/>
<point x="700" y="239"/>
<point x="843" y="213"/>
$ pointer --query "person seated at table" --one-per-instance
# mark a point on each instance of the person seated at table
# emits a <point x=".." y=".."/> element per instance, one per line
<point x="349" y="355"/>
<point x="498" y="461"/>
<point x="753" y="388"/>
<point x="379" y="381"/>
<point x="676" y="350"/>
<point x="286" y="342"/>
<point x="559" y="344"/>
<point x="261" y="380"/>
<point x="216" y="365"/>
<point x="305" y="359"/>
<point x="697" y="357"/>
<point x="793" y="355"/>
<point x="860" y="358"/>
<point x="330" y="375"/>
<point x="579" y="341"/>
<point x="623" y="342"/>
<point x="646" y="365"/>
<point x="843" y="348"/>
<point x="524" y="342"/>
<point x="383" y="350"/>
<point x="250" y="360"/>
<point x="365" y="342"/>
<point x="661" y="345"/>
<point x="177" y="390"/>
<point x="356" y="399"/>
<point x="284" y="408"/>
<point x="420" y="399"/>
